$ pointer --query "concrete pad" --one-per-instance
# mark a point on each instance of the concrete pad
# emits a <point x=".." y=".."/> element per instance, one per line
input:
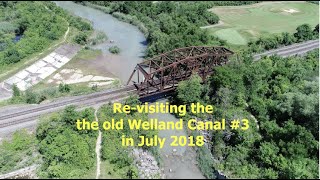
<point x="57" y="64"/>
<point x="33" y="68"/>
<point x="78" y="71"/>
<point x="47" y="71"/>
<point x="49" y="59"/>
<point x="66" y="71"/>
<point x="40" y="64"/>
<point x="22" y="85"/>
<point x="58" y="57"/>
<point x="86" y="78"/>
<point x="57" y="76"/>
<point x="53" y="54"/>
<point x="101" y="78"/>
<point x="99" y="83"/>
<point x="13" y="80"/>
<point x="22" y="74"/>
<point x="65" y="59"/>
<point x="28" y="85"/>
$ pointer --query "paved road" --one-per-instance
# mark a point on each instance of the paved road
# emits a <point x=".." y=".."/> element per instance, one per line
<point x="294" y="49"/>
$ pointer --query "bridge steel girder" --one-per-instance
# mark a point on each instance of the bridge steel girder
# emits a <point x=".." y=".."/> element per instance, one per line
<point x="163" y="72"/>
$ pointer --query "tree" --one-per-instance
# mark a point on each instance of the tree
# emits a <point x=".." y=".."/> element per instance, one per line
<point x="16" y="91"/>
<point x="287" y="38"/>
<point x="31" y="97"/>
<point x="64" y="88"/>
<point x="190" y="91"/>
<point x="304" y="32"/>
<point x="316" y="31"/>
<point x="81" y="38"/>
<point x="114" y="49"/>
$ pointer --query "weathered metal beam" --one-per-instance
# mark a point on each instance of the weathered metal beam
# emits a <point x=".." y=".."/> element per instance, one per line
<point x="164" y="71"/>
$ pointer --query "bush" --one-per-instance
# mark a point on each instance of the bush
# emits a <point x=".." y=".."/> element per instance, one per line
<point x="64" y="88"/>
<point x="81" y="38"/>
<point x="99" y="38"/>
<point x="16" y="91"/>
<point x="114" y="50"/>
<point x="94" y="87"/>
<point x="31" y="97"/>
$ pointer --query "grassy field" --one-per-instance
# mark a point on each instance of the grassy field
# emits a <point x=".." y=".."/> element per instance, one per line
<point x="243" y="23"/>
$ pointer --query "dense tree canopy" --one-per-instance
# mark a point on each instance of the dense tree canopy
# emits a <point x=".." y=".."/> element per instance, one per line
<point x="36" y="25"/>
<point x="31" y="20"/>
<point x="282" y="95"/>
<point x="169" y="24"/>
<point x="67" y="152"/>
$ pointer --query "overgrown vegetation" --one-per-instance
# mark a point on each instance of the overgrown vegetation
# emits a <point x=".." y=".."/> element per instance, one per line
<point x="33" y="96"/>
<point x="117" y="156"/>
<point x="114" y="49"/>
<point x="31" y="20"/>
<point x="98" y="37"/>
<point x="66" y="151"/>
<point x="303" y="33"/>
<point x="27" y="28"/>
<point x="18" y="152"/>
<point x="279" y="96"/>
<point x="167" y="24"/>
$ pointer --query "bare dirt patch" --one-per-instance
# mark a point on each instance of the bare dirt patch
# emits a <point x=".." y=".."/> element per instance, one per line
<point x="291" y="11"/>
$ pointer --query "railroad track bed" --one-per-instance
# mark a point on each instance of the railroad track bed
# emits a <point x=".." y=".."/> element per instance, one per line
<point x="88" y="100"/>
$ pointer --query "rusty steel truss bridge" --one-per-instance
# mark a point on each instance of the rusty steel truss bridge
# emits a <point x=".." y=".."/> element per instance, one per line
<point x="163" y="72"/>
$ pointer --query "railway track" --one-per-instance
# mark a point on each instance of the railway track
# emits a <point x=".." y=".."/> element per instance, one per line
<point x="295" y="49"/>
<point x="30" y="114"/>
<point x="86" y="100"/>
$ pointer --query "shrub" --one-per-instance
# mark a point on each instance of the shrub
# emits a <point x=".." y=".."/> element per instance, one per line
<point x="64" y="88"/>
<point x="81" y="38"/>
<point x="31" y="97"/>
<point x="16" y="91"/>
<point x="114" y="50"/>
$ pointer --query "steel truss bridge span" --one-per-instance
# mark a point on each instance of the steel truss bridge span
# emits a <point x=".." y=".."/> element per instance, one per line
<point x="163" y="72"/>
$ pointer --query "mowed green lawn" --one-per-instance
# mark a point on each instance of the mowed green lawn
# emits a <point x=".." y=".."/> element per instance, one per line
<point x="243" y="23"/>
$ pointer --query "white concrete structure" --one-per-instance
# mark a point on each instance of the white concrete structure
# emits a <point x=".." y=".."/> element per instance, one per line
<point x="42" y="68"/>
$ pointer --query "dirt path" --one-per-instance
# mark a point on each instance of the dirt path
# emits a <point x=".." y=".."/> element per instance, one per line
<point x="98" y="148"/>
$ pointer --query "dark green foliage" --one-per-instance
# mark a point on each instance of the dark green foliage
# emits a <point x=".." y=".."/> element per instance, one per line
<point x="316" y="31"/>
<point x="38" y="27"/>
<point x="282" y="95"/>
<point x="17" y="153"/>
<point x="16" y="91"/>
<point x="66" y="152"/>
<point x="167" y="25"/>
<point x="112" y="150"/>
<point x="81" y="38"/>
<point x="304" y="32"/>
<point x="64" y="88"/>
<point x="190" y="91"/>
<point x="39" y="23"/>
<point x="114" y="49"/>
<point x="31" y="97"/>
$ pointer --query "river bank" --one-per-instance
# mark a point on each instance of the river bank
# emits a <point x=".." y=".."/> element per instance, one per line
<point x="127" y="37"/>
<point x="178" y="162"/>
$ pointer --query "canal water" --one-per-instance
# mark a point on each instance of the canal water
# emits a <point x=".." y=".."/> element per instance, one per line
<point x="126" y="36"/>
<point x="179" y="162"/>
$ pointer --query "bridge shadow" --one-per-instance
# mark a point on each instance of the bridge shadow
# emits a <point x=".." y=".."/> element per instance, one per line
<point x="158" y="96"/>
<point x="145" y="42"/>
